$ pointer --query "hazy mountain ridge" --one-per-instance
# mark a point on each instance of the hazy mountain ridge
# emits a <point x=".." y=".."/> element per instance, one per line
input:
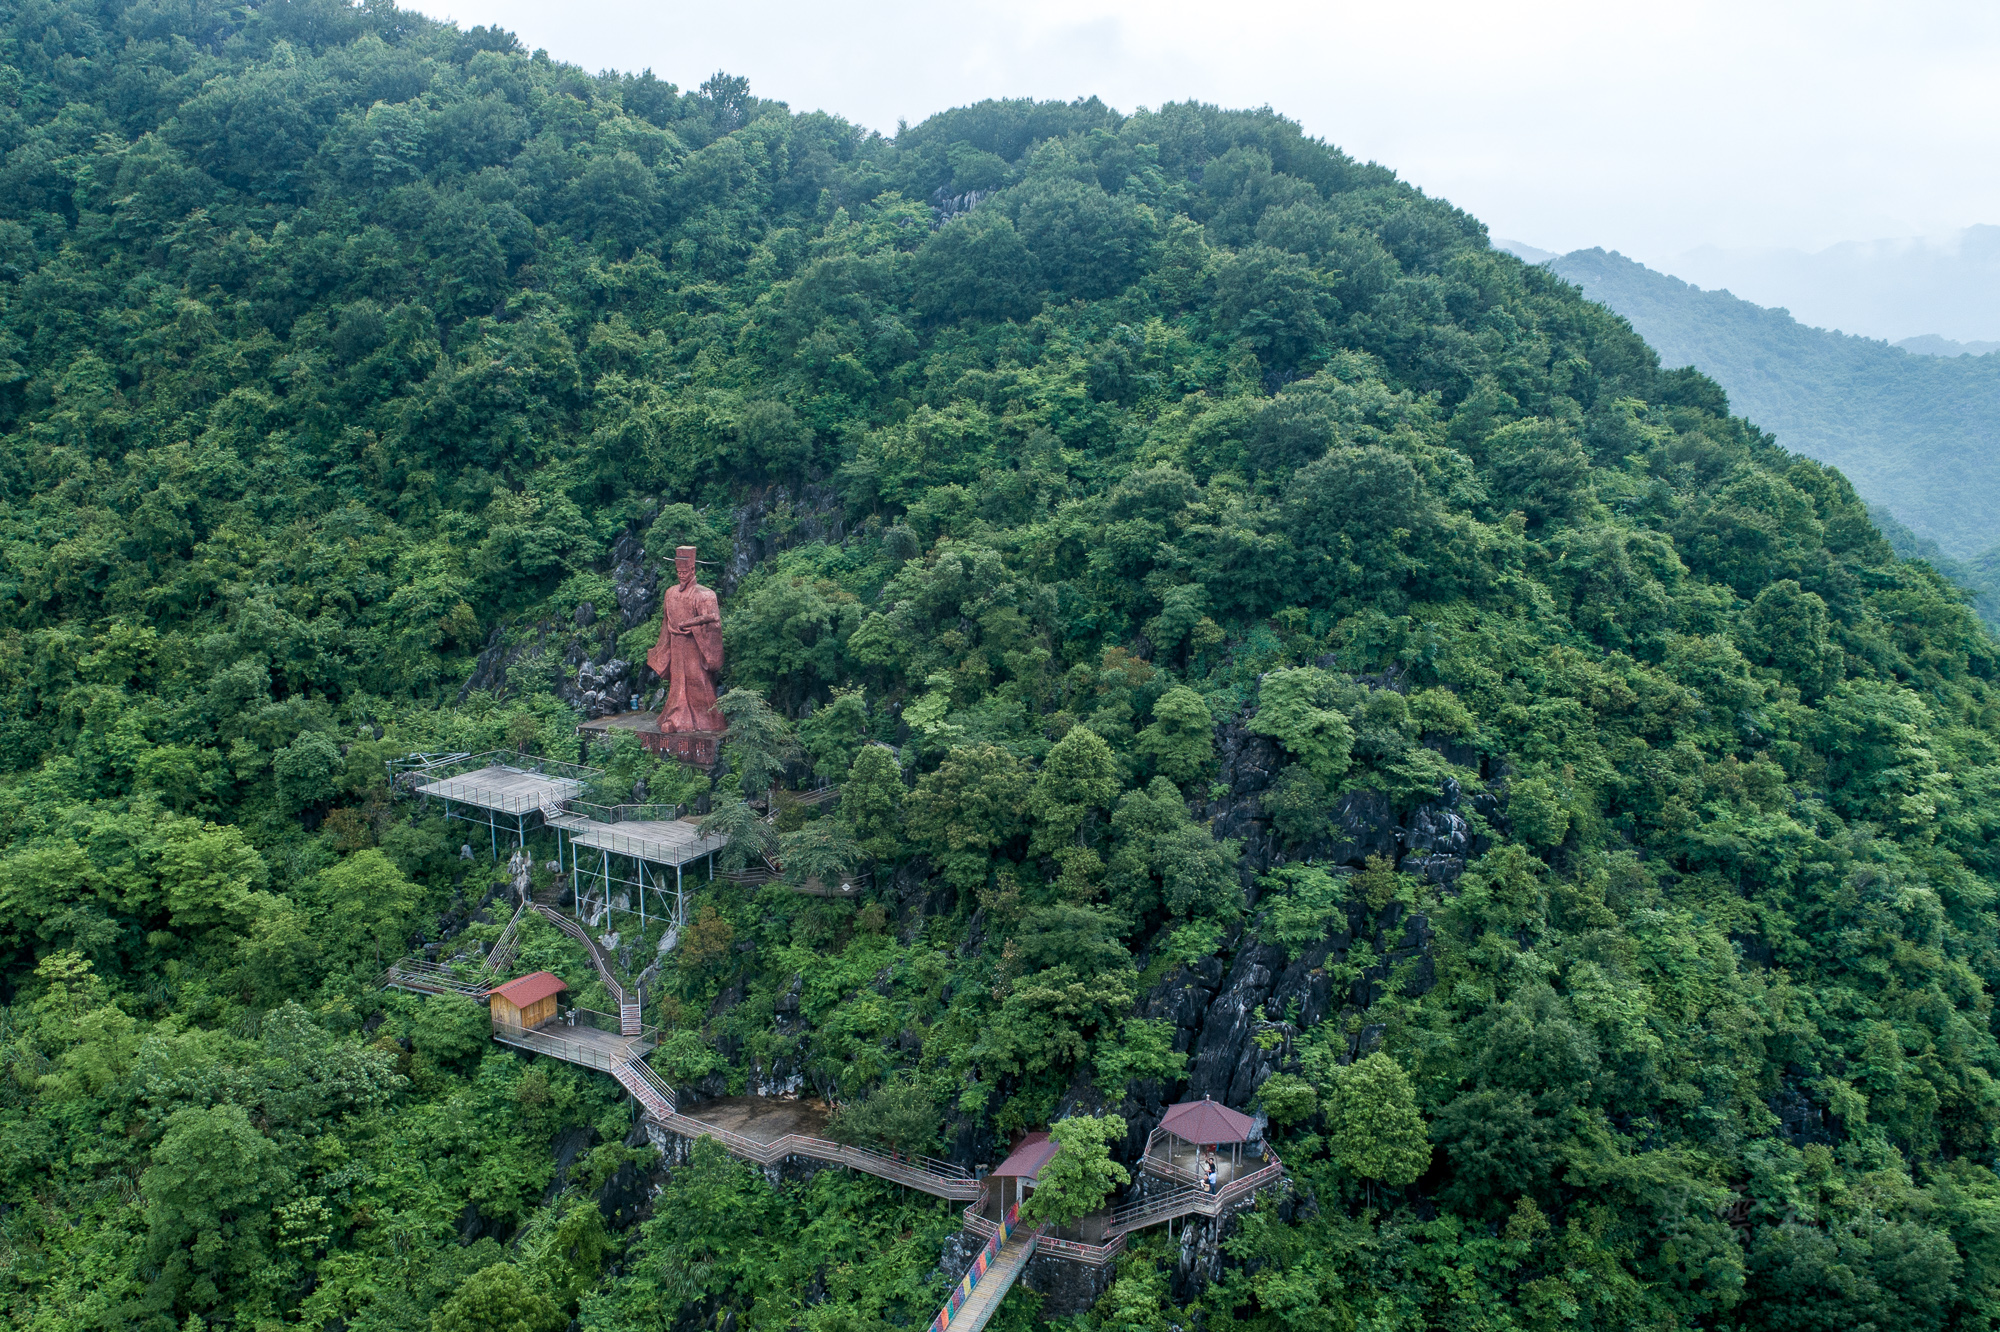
<point x="1916" y="434"/>
<point x="1890" y="288"/>
<point x="1930" y="344"/>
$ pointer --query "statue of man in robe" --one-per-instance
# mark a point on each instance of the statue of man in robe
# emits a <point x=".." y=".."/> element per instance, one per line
<point x="689" y="653"/>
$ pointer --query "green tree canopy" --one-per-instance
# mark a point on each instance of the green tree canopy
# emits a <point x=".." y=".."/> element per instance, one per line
<point x="1079" y="1185"/>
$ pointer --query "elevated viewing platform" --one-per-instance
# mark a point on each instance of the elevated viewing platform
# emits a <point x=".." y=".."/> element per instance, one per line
<point x="575" y="1043"/>
<point x="673" y="842"/>
<point x="497" y="788"/>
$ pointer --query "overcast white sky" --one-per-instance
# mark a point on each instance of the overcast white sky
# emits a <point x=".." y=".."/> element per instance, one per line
<point x="1648" y="128"/>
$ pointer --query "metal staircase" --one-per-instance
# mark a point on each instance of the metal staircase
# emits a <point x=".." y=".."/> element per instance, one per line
<point x="630" y="1021"/>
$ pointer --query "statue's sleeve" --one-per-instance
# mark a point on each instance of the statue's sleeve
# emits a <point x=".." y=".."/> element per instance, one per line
<point x="709" y="637"/>
<point x="658" y="655"/>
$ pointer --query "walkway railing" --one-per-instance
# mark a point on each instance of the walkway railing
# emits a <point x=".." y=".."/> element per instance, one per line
<point x="1193" y="1200"/>
<point x="1169" y="1206"/>
<point x="940" y="1179"/>
<point x="542" y="1040"/>
<point x="584" y="809"/>
<point x="421" y="977"/>
<point x="405" y="772"/>
<point x="501" y="955"/>
<point x="1091" y="1255"/>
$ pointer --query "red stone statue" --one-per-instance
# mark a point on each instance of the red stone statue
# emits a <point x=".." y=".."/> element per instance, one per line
<point x="689" y="653"/>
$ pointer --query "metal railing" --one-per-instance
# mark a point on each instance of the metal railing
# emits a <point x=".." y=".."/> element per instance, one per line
<point x="639" y="846"/>
<point x="406" y="773"/>
<point x="658" y="1085"/>
<point x="614" y="1023"/>
<point x="975" y="1276"/>
<point x="624" y="813"/>
<point x="597" y="959"/>
<point x="1193" y="1200"/>
<point x="421" y="977"/>
<point x="588" y="1053"/>
<point x="501" y="955"/>
<point x="1093" y="1255"/>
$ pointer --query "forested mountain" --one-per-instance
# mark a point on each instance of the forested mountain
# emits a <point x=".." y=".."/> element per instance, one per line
<point x="1270" y="644"/>
<point x="1918" y="434"/>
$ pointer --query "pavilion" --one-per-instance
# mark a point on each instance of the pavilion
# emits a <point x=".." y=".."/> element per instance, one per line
<point x="1193" y="1131"/>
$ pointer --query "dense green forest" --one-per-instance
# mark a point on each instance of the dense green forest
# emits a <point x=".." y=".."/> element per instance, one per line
<point x="1917" y="434"/>
<point x="1271" y="645"/>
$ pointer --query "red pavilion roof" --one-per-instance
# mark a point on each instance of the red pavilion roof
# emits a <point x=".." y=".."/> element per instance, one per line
<point x="1203" y="1122"/>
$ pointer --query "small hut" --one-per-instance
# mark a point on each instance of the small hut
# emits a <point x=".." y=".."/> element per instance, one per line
<point x="527" y="1002"/>
<point x="1014" y="1178"/>
<point x="1195" y="1131"/>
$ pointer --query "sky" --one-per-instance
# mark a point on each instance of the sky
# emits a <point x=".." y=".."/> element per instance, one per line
<point x="1661" y="130"/>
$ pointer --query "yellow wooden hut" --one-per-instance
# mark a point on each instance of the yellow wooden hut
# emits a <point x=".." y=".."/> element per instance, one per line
<point x="526" y="1002"/>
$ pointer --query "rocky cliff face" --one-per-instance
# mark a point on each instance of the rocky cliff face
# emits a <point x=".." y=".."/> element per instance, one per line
<point x="1234" y="1016"/>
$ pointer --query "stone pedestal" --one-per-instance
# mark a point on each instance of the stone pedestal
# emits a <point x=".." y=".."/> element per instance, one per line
<point x="695" y="748"/>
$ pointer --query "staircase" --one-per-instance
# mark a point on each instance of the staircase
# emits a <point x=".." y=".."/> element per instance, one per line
<point x="555" y="816"/>
<point x="993" y="1273"/>
<point x="501" y="955"/>
<point x="630" y="1022"/>
<point x="647" y="1087"/>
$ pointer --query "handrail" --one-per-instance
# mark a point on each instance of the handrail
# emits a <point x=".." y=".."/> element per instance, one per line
<point x="574" y="1052"/>
<point x="982" y="1263"/>
<point x="1096" y="1255"/>
<point x="614" y="1023"/>
<point x="651" y="1077"/>
<point x="426" y="764"/>
<point x="502" y="952"/>
<point x="624" y="813"/>
<point x="1187" y="1200"/>
<point x="429" y="978"/>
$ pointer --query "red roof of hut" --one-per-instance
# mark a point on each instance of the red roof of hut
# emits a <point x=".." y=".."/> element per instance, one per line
<point x="1206" y="1122"/>
<point x="530" y="989"/>
<point x="1027" y="1160"/>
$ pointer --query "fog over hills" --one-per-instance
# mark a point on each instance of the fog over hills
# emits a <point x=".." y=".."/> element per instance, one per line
<point x="1892" y="289"/>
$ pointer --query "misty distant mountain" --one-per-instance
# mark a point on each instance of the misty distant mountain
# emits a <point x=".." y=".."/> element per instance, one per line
<point x="1891" y="289"/>
<point x="1918" y="435"/>
<point x="1930" y="344"/>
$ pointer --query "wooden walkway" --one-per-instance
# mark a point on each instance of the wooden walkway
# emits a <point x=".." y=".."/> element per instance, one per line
<point x="576" y="1045"/>
<point x="1174" y="1204"/>
<point x="1001" y="1274"/>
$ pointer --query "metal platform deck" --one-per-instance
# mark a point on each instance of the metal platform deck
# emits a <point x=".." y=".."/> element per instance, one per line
<point x="578" y="1045"/>
<point x="503" y="789"/>
<point x="661" y="841"/>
